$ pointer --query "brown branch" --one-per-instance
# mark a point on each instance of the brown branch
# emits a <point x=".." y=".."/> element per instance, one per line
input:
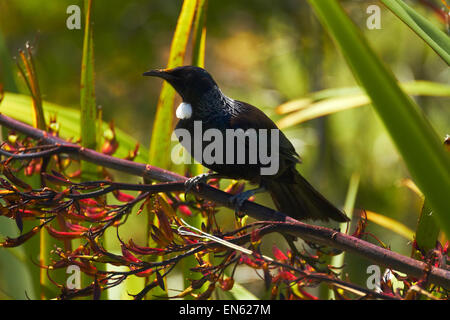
<point x="279" y="221"/>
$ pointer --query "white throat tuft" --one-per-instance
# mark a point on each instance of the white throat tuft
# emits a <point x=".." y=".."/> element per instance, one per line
<point x="184" y="111"/>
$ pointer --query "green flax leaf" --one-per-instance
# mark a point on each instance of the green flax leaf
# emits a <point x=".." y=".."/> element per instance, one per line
<point x="162" y="126"/>
<point x="435" y="38"/>
<point x="88" y="123"/>
<point x="410" y="131"/>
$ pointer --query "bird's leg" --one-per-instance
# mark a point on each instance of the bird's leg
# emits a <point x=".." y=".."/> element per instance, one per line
<point x="201" y="178"/>
<point x="238" y="199"/>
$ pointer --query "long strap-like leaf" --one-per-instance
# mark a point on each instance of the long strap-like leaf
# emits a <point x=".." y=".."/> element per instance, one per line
<point x="162" y="126"/>
<point x="435" y="38"/>
<point x="411" y="132"/>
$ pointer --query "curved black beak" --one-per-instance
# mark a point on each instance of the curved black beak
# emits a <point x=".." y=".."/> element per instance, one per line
<point x="154" y="73"/>
<point x="160" y="73"/>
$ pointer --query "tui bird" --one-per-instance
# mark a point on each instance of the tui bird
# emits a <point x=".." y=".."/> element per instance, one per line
<point x="204" y="101"/>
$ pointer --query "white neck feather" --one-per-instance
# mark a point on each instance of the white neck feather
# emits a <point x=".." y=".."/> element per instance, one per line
<point x="184" y="111"/>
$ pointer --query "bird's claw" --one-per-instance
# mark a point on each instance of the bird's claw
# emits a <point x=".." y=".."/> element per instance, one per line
<point x="237" y="201"/>
<point x="194" y="181"/>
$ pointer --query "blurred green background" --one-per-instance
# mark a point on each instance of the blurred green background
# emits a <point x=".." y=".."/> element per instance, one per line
<point x="259" y="51"/>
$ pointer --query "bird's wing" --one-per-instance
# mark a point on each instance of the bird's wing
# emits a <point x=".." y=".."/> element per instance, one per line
<point x="246" y="116"/>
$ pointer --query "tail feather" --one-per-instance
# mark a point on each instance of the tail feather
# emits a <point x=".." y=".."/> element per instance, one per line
<point x="300" y="200"/>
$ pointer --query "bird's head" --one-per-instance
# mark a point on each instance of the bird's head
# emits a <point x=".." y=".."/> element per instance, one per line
<point x="189" y="81"/>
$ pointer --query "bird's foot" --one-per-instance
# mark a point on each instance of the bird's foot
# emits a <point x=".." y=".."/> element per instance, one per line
<point x="237" y="201"/>
<point x="193" y="182"/>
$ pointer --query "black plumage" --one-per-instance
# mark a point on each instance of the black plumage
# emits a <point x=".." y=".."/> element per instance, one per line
<point x="291" y="193"/>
